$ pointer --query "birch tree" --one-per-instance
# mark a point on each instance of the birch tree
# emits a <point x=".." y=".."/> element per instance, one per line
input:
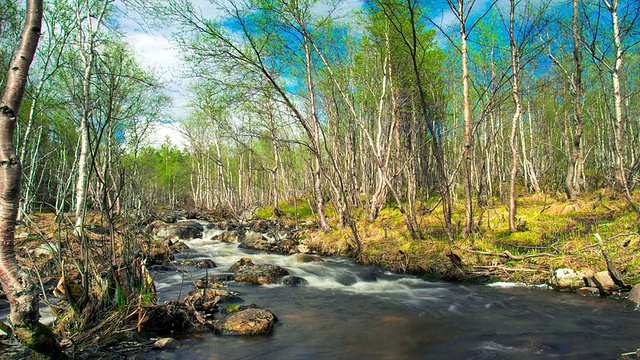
<point x="17" y="284"/>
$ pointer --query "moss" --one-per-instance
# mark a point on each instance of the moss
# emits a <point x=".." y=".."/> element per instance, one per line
<point x="39" y="338"/>
<point x="289" y="208"/>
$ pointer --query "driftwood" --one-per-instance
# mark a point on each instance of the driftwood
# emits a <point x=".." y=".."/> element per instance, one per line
<point x="507" y="254"/>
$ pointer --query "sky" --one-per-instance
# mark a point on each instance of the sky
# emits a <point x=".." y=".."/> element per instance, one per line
<point x="156" y="52"/>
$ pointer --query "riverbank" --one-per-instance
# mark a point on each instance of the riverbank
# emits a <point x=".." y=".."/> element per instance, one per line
<point x="554" y="234"/>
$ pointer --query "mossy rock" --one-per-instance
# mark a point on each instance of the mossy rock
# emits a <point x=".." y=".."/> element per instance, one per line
<point x="247" y="322"/>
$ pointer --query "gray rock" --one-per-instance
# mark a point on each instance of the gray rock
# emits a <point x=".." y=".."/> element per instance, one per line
<point x="260" y="225"/>
<point x="178" y="246"/>
<point x="178" y="230"/>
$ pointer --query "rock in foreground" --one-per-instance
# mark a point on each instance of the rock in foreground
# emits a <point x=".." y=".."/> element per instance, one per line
<point x="247" y="322"/>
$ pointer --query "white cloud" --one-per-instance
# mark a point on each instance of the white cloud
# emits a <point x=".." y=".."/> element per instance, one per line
<point x="159" y="55"/>
<point x="161" y="132"/>
<point x="156" y="54"/>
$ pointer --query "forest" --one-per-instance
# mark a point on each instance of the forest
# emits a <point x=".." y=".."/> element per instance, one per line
<point x="456" y="128"/>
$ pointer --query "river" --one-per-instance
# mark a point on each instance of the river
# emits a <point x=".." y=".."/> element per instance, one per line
<point x="349" y="311"/>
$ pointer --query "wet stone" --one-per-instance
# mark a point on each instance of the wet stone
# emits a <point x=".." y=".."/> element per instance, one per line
<point x="205" y="264"/>
<point x="208" y="299"/>
<point x="305" y="258"/>
<point x="293" y="280"/>
<point x="247" y="272"/>
<point x="247" y="322"/>
<point x="209" y="282"/>
<point x="565" y="279"/>
<point x="232" y="236"/>
<point x="178" y="246"/>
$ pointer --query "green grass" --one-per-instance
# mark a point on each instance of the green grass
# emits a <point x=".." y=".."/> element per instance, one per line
<point x="553" y="225"/>
<point x="289" y="209"/>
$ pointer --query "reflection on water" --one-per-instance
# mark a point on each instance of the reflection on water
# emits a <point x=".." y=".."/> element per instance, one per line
<point x="355" y="312"/>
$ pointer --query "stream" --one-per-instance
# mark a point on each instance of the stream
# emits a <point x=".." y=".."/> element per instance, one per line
<point x="349" y="311"/>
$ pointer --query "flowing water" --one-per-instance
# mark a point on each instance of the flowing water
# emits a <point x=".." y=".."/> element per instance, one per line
<point x="348" y="311"/>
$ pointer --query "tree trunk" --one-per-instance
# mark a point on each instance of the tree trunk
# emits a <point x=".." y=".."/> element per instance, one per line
<point x="443" y="181"/>
<point x="317" y="177"/>
<point x="20" y="290"/>
<point x="620" y="172"/>
<point x="516" y="118"/>
<point x="572" y="181"/>
<point x="468" y="223"/>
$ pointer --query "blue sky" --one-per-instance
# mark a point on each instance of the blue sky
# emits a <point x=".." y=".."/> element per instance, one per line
<point x="157" y="52"/>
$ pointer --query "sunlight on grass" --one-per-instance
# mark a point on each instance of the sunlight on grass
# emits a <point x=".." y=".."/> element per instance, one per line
<point x="564" y="229"/>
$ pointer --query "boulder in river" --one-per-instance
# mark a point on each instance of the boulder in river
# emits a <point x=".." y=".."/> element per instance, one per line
<point x="232" y="236"/>
<point x="210" y="282"/>
<point x="205" y="264"/>
<point x="306" y="258"/>
<point x="255" y="241"/>
<point x="261" y="225"/>
<point x="207" y="299"/>
<point x="247" y="322"/>
<point x="246" y="271"/>
<point x="200" y="264"/>
<point x="178" y="230"/>
<point x="178" y="246"/>
<point x="292" y="280"/>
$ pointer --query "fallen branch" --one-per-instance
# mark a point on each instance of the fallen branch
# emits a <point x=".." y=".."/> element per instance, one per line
<point x="508" y="255"/>
<point x="583" y="248"/>
<point x="610" y="268"/>
<point x="504" y="268"/>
